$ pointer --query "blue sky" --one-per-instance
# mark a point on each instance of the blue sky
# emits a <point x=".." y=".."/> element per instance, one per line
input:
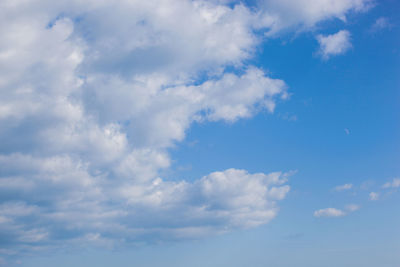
<point x="200" y="133"/>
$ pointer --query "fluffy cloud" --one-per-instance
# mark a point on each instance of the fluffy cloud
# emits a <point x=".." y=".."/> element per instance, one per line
<point x="92" y="96"/>
<point x="352" y="207"/>
<point x="304" y="15"/>
<point x="343" y="187"/>
<point x="334" y="44"/>
<point x="76" y="206"/>
<point x="94" y="93"/>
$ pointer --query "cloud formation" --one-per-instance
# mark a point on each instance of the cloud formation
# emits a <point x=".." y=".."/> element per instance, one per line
<point x="94" y="93"/>
<point x="334" y="44"/>
<point x="304" y="15"/>
<point x="393" y="184"/>
<point x="333" y="212"/>
<point x="329" y="212"/>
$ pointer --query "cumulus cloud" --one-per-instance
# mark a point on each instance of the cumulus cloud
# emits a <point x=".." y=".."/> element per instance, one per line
<point x="334" y="44"/>
<point x="101" y="211"/>
<point x="333" y="212"/>
<point x="94" y="93"/>
<point x="393" y="184"/>
<point x="343" y="187"/>
<point x="92" y="96"/>
<point x="304" y="15"/>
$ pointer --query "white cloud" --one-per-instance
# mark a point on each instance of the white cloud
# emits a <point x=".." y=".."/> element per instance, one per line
<point x="343" y="187"/>
<point x="373" y="196"/>
<point x="94" y="93"/>
<point x="329" y="212"/>
<point x="393" y="184"/>
<point x="92" y="96"/>
<point x="333" y="212"/>
<point x="306" y="14"/>
<point x="334" y="44"/>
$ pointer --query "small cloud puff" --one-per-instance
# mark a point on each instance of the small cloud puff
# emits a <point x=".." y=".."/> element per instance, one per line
<point x="333" y="212"/>
<point x="334" y="44"/>
<point x="373" y="196"/>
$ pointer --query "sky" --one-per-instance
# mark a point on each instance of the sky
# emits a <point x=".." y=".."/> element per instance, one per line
<point x="200" y="133"/>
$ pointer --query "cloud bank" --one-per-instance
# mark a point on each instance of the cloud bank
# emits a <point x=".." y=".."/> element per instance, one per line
<point x="94" y="93"/>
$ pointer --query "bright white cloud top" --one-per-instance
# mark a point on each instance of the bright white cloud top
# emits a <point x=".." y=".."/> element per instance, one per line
<point x="94" y="93"/>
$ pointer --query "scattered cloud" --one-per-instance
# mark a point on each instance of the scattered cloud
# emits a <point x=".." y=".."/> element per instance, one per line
<point x="334" y="44"/>
<point x="393" y="184"/>
<point x="333" y="212"/>
<point x="343" y="187"/>
<point x="373" y="196"/>
<point x="329" y="212"/>
<point x="380" y="24"/>
<point x="352" y="207"/>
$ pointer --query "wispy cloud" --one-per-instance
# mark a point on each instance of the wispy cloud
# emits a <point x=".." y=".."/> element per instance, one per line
<point x="343" y="187"/>
<point x="380" y="24"/>
<point x="329" y="212"/>
<point x="395" y="183"/>
<point x="334" y="212"/>
<point x="373" y="196"/>
<point x="92" y="103"/>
